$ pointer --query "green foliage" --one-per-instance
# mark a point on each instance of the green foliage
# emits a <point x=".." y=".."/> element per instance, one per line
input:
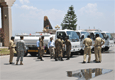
<point x="70" y="19"/>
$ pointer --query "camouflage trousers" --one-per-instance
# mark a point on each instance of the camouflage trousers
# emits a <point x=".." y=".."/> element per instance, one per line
<point x="51" y="51"/>
<point x="41" y="52"/>
<point x="60" y="53"/>
<point x="20" y="54"/>
<point x="68" y="52"/>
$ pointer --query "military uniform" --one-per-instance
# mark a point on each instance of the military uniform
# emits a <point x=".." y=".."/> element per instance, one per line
<point x="12" y="50"/>
<point x="97" y="46"/>
<point x="21" y="49"/>
<point x="56" y="52"/>
<point x="68" y="48"/>
<point x="63" y="46"/>
<point x="41" y="48"/>
<point x="59" y="48"/>
<point x="88" y="43"/>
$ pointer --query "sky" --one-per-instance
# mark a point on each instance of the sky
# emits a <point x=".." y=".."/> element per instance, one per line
<point x="28" y="15"/>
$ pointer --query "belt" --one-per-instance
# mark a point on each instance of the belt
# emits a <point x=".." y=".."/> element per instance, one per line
<point x="51" y="46"/>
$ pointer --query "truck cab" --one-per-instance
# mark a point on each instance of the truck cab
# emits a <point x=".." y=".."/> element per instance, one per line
<point x="109" y="42"/>
<point x="82" y="35"/>
<point x="73" y="37"/>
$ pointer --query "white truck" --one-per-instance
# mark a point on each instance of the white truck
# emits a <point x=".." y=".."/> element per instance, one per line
<point x="109" y="42"/>
<point x="82" y="35"/>
<point x="30" y="40"/>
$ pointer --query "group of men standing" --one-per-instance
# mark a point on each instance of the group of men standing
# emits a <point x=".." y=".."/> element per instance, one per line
<point x="97" y="48"/>
<point x="56" y="48"/>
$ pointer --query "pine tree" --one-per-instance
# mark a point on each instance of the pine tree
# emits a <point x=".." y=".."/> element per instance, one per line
<point x="70" y="19"/>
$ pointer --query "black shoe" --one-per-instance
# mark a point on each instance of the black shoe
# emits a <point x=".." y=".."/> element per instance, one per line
<point x="84" y="62"/>
<point x="11" y="63"/>
<point x="67" y="59"/>
<point x="88" y="62"/>
<point x="99" y="62"/>
<point x="94" y="60"/>
<point x="62" y="59"/>
<point x="56" y="60"/>
<point x="42" y="59"/>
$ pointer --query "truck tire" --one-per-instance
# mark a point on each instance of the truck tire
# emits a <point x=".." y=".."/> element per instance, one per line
<point x="106" y="48"/>
<point x="82" y="52"/>
<point x="25" y="54"/>
<point x="33" y="54"/>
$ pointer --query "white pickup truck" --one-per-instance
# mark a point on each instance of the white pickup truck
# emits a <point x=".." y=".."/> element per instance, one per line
<point x="30" y="40"/>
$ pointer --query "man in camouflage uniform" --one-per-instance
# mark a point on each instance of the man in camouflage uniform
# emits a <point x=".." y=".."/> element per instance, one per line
<point x="59" y="48"/>
<point x="63" y="45"/>
<point x="56" y="52"/>
<point x="98" y="43"/>
<point x="68" y="47"/>
<point x="41" y="48"/>
<point x="21" y="50"/>
<point x="12" y="49"/>
<point x="88" y="42"/>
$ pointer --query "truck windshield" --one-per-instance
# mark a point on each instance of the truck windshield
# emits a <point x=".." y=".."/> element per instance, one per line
<point x="104" y="35"/>
<point x="100" y="35"/>
<point x="73" y="36"/>
<point x="110" y="36"/>
<point x="85" y="34"/>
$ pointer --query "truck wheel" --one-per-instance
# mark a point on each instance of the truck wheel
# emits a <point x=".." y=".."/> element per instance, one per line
<point x="25" y="54"/>
<point x="71" y="54"/>
<point x="106" y="48"/>
<point x="33" y="54"/>
<point x="102" y="50"/>
<point x="82" y="52"/>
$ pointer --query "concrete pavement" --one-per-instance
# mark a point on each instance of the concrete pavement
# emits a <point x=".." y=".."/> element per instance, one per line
<point x="34" y="69"/>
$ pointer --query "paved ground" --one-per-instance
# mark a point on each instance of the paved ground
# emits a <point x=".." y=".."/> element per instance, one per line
<point x="34" y="69"/>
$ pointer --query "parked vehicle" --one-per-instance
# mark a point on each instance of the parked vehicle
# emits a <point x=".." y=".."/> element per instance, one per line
<point x="109" y="42"/>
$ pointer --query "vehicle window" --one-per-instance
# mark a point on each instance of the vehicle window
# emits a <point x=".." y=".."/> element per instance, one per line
<point x="104" y="35"/>
<point x="110" y="36"/>
<point x="92" y="36"/>
<point x="78" y="33"/>
<point x="62" y="34"/>
<point x="85" y="34"/>
<point x="73" y="36"/>
<point x="100" y="35"/>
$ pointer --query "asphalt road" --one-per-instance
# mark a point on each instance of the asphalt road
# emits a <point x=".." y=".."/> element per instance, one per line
<point x="34" y="69"/>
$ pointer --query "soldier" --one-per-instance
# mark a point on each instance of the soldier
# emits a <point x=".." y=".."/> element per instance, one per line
<point x="41" y="47"/>
<point x="98" y="44"/>
<point x="88" y="43"/>
<point x="56" y="52"/>
<point x="51" y="47"/>
<point x="21" y="48"/>
<point x="12" y="49"/>
<point x="68" y="47"/>
<point x="38" y="44"/>
<point x="59" y="48"/>
<point x="63" y="45"/>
